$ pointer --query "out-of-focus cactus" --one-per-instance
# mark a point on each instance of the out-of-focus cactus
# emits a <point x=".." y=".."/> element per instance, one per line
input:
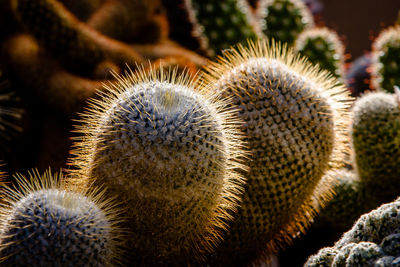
<point x="372" y="241"/>
<point x="284" y="20"/>
<point x="386" y="60"/>
<point x="169" y="151"/>
<point x="42" y="223"/>
<point x="322" y="46"/>
<point x="358" y="75"/>
<point x="295" y="122"/>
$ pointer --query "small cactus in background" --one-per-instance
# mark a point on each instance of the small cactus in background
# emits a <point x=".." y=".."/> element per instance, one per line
<point x="358" y="75"/>
<point x="170" y="153"/>
<point x="372" y="241"/>
<point x="375" y="135"/>
<point x="221" y="24"/>
<point x="44" y="224"/>
<point x="322" y="46"/>
<point x="386" y="60"/>
<point x="295" y="121"/>
<point x="284" y="20"/>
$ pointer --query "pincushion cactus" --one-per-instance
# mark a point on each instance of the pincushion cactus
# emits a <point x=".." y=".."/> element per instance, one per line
<point x="170" y="153"/>
<point x="284" y="20"/>
<point x="221" y="24"/>
<point x="44" y="224"/>
<point x="375" y="135"/>
<point x="372" y="241"/>
<point x="295" y="121"/>
<point x="385" y="59"/>
<point x="322" y="46"/>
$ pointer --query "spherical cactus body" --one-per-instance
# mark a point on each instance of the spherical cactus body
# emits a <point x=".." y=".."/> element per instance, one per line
<point x="386" y="60"/>
<point x="372" y="241"/>
<point x="45" y="224"/>
<point x="322" y="46"/>
<point x="170" y="153"/>
<point x="375" y="137"/>
<point x="284" y="20"/>
<point x="221" y="24"/>
<point x="295" y="121"/>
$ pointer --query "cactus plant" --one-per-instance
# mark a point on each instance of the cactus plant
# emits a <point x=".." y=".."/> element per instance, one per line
<point x="385" y="59"/>
<point x="77" y="46"/>
<point x="170" y="153"/>
<point x="372" y="241"/>
<point x="295" y="121"/>
<point x="375" y="137"/>
<point x="322" y="46"/>
<point x="218" y="25"/>
<point x="358" y="75"/>
<point x="44" y="224"/>
<point x="284" y="20"/>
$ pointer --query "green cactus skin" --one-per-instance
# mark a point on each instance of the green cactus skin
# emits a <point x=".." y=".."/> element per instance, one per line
<point x="375" y="136"/>
<point x="295" y="122"/>
<point x="322" y="46"/>
<point x="78" y="47"/>
<point x="221" y="24"/>
<point x="45" y="224"/>
<point x="170" y="153"/>
<point x="284" y="20"/>
<point x="385" y="60"/>
<point x="372" y="241"/>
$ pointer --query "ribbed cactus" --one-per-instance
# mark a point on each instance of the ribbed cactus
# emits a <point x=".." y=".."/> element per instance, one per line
<point x="78" y="47"/>
<point x="44" y="224"/>
<point x="169" y="152"/>
<point x="372" y="241"/>
<point x="295" y="120"/>
<point x="284" y="20"/>
<point x="386" y="59"/>
<point x="322" y="46"/>
<point x="375" y="134"/>
<point x="221" y="24"/>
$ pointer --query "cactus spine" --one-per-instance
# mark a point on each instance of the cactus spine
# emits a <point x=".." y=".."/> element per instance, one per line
<point x="170" y="153"/>
<point x="322" y="46"/>
<point x="386" y="59"/>
<point x="45" y="224"/>
<point x="295" y="121"/>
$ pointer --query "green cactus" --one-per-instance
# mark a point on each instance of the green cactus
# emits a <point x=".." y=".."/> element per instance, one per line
<point x="375" y="137"/>
<point x="170" y="153"/>
<point x="221" y="24"/>
<point x="284" y="20"/>
<point x="386" y="60"/>
<point x="45" y="224"/>
<point x="295" y="121"/>
<point x="322" y="46"/>
<point x="78" y="47"/>
<point x="372" y="241"/>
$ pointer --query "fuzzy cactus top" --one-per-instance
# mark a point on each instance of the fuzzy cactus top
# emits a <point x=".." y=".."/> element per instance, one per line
<point x="295" y="122"/>
<point x="372" y="241"/>
<point x="44" y="224"/>
<point x="170" y="153"/>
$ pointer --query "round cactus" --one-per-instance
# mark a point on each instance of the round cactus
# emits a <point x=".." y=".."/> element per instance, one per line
<point x="295" y="122"/>
<point x="372" y="241"/>
<point x="386" y="60"/>
<point x="284" y="20"/>
<point x="221" y="24"/>
<point x="322" y="46"/>
<point x="44" y="224"/>
<point x="170" y="153"/>
<point x="375" y="136"/>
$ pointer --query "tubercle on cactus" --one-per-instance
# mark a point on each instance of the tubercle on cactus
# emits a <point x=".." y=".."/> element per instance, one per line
<point x="86" y="227"/>
<point x="187" y="151"/>
<point x="265" y="80"/>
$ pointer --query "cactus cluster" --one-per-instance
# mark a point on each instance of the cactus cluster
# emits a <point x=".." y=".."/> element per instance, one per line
<point x="43" y="223"/>
<point x="322" y="46"/>
<point x="295" y="120"/>
<point x="372" y="241"/>
<point x="171" y="154"/>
